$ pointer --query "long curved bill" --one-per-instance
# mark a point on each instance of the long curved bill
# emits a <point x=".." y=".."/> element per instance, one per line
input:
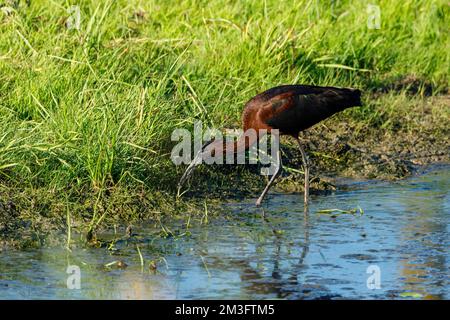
<point x="197" y="161"/>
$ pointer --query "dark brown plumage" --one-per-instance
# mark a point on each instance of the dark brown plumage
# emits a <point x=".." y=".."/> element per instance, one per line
<point x="294" y="108"/>
<point x="290" y="109"/>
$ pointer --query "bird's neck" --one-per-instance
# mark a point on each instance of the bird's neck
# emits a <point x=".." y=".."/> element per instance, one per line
<point x="230" y="146"/>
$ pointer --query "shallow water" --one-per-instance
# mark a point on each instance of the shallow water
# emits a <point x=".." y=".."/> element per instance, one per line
<point x="249" y="253"/>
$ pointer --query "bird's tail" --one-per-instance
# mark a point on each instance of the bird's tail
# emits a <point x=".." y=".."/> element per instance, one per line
<point x="355" y="97"/>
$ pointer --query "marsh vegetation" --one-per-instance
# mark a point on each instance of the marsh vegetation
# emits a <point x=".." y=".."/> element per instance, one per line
<point x="86" y="113"/>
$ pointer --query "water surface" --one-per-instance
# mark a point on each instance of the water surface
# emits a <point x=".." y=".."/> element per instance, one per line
<point x="275" y="253"/>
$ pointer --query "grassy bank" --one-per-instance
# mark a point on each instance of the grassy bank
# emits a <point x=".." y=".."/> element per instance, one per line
<point x="86" y="115"/>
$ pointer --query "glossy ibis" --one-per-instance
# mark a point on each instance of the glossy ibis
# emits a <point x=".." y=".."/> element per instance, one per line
<point x="288" y="108"/>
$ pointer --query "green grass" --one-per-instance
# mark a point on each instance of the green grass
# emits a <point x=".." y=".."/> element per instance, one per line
<point x="92" y="110"/>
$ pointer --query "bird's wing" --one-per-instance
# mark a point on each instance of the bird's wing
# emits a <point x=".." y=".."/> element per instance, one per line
<point x="291" y="113"/>
<point x="296" y="89"/>
<point x="278" y="112"/>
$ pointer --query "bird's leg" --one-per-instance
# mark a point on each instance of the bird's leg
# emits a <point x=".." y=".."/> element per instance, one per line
<point x="272" y="179"/>
<point x="306" y="170"/>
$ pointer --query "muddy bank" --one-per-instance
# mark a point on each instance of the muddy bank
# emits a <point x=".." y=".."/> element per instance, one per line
<point x="391" y="149"/>
<point x="31" y="218"/>
<point x="391" y="145"/>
